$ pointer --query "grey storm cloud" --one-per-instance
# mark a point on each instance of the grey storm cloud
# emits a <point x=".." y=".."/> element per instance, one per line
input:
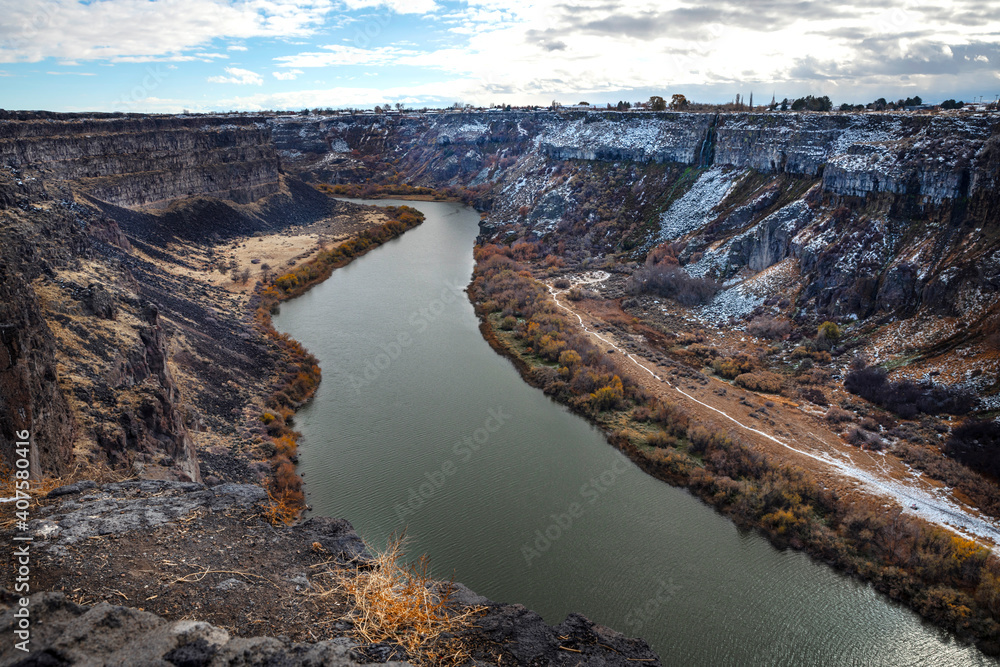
<point x="693" y="18"/>
<point x="899" y="38"/>
<point x="960" y="13"/>
<point x="926" y="59"/>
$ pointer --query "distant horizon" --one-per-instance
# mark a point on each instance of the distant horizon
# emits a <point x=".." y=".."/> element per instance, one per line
<point x="596" y="102"/>
<point x="596" y="106"/>
<point x="215" y="55"/>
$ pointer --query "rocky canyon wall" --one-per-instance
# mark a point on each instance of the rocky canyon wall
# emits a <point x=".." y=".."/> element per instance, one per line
<point x="932" y="158"/>
<point x="147" y="161"/>
<point x="871" y="217"/>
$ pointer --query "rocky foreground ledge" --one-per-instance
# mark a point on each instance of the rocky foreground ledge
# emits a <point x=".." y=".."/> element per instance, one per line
<point x="170" y="573"/>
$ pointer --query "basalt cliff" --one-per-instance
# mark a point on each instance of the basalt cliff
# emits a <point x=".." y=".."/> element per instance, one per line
<point x="881" y="218"/>
<point x="124" y="351"/>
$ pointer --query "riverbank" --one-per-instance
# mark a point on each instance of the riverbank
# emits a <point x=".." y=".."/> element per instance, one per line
<point x="299" y="382"/>
<point x="945" y="578"/>
<point x="392" y="191"/>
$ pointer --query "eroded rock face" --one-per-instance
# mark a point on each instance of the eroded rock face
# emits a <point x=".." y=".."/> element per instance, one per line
<point x="30" y="398"/>
<point x="78" y="302"/>
<point x="155" y="423"/>
<point x="929" y="157"/>
<point x="878" y="211"/>
<point x="148" y="161"/>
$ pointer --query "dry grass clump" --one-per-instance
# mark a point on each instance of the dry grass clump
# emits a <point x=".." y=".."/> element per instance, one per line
<point x="100" y="473"/>
<point x="769" y="327"/>
<point x="763" y="381"/>
<point x="400" y="604"/>
<point x="837" y="415"/>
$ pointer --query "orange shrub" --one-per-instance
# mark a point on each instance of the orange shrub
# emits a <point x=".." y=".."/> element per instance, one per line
<point x="610" y="397"/>
<point x="287" y="282"/>
<point x="730" y="367"/>
<point x="765" y="381"/>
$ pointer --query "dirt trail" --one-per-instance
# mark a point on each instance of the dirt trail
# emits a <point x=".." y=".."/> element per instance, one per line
<point x="870" y="473"/>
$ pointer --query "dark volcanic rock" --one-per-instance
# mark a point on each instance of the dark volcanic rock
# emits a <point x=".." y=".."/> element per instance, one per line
<point x="66" y="633"/>
<point x="128" y="506"/>
<point x="69" y="489"/>
<point x="100" y="302"/>
<point x="30" y="399"/>
<point x="337" y="537"/>
<point x="523" y="635"/>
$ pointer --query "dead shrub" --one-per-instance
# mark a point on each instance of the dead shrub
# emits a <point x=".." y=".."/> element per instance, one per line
<point x="763" y="381"/>
<point x="816" y="376"/>
<point x="400" y="604"/>
<point x="731" y="367"/>
<point x="769" y="327"/>
<point x="703" y="352"/>
<point x="661" y="440"/>
<point x="807" y="352"/>
<point x="869" y="424"/>
<point x="861" y="438"/>
<point x="814" y="395"/>
<point x="838" y="415"/>
<point x="907" y="398"/>
<point x="672" y="282"/>
<point x="671" y="418"/>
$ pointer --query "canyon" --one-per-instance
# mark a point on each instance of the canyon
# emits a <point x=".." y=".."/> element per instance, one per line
<point x="114" y="357"/>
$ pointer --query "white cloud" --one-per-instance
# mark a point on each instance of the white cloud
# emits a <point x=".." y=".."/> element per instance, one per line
<point x="338" y="55"/>
<point x="522" y="51"/>
<point x="445" y="92"/>
<point x="239" y="76"/>
<point x="135" y="30"/>
<point x="71" y="73"/>
<point x="397" y="6"/>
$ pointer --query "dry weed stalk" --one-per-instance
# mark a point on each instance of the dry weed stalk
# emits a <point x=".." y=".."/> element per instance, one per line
<point x="398" y="603"/>
<point x="283" y="509"/>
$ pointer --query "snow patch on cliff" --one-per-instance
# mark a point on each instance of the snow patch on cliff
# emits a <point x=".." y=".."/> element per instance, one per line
<point x="693" y="210"/>
<point x="739" y="300"/>
<point x="671" y="137"/>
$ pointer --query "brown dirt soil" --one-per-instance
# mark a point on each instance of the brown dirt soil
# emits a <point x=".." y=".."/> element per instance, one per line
<point x="232" y="569"/>
<point x="798" y="423"/>
<point x="278" y="252"/>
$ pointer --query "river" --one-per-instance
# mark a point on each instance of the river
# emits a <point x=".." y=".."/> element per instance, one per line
<point x="419" y="425"/>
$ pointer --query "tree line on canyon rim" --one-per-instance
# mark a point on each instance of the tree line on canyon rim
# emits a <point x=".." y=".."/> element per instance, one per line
<point x="943" y="576"/>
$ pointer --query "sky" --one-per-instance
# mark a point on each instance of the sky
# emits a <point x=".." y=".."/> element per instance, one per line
<point x="220" y="55"/>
